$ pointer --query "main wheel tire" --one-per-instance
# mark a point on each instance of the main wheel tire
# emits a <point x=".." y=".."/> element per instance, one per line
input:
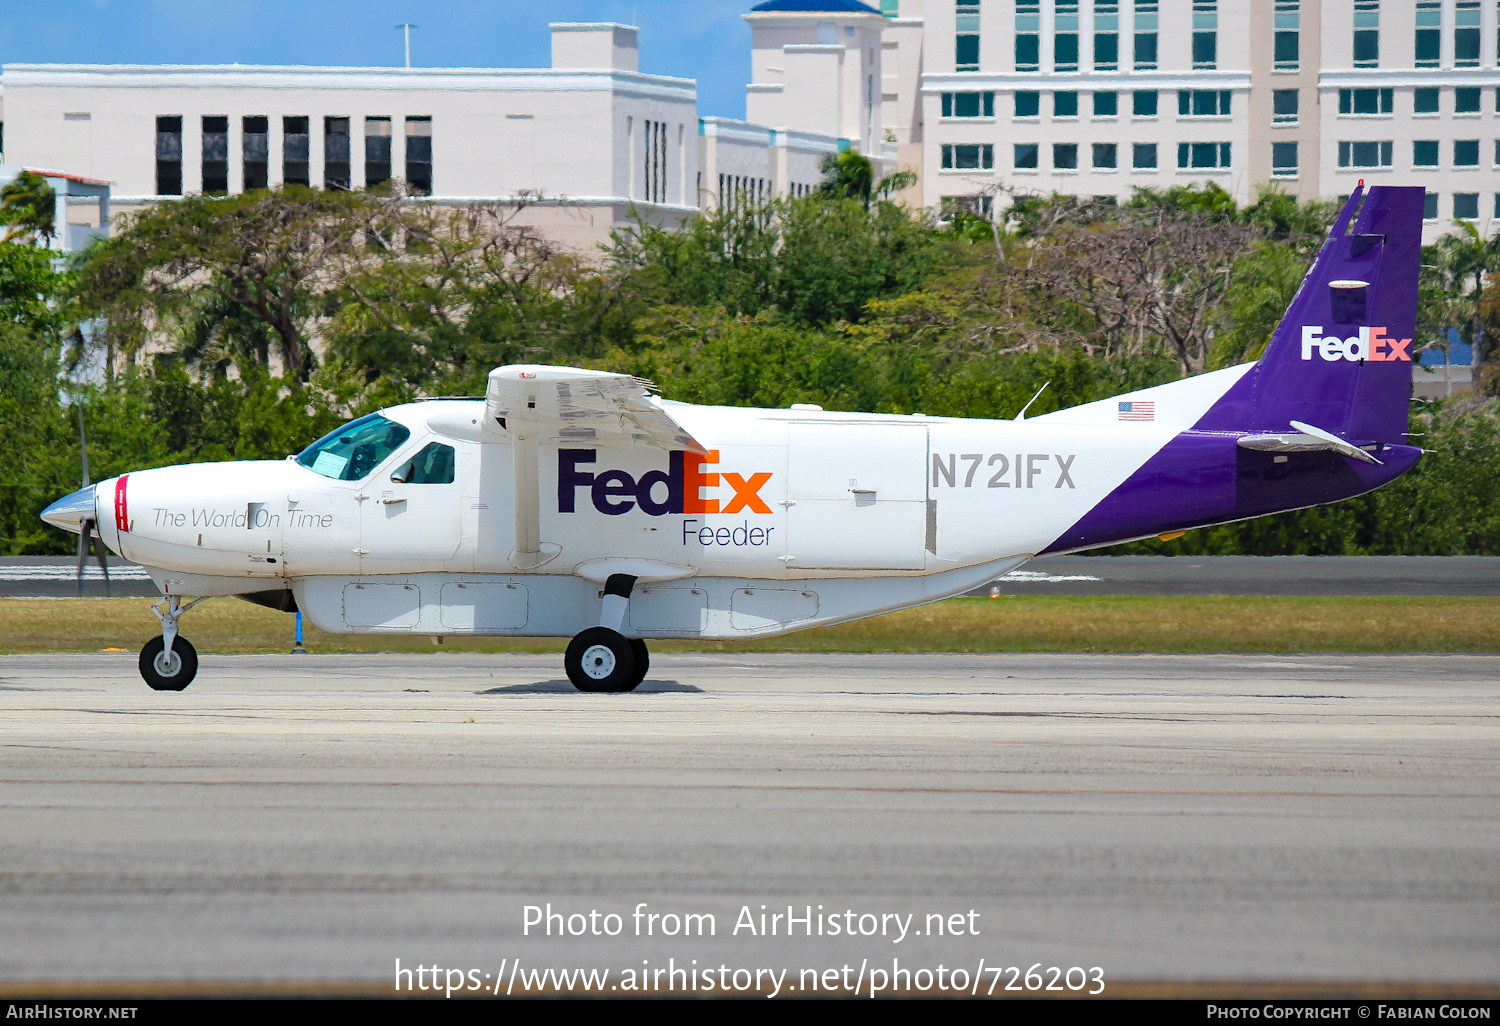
<point x="642" y="662"/>
<point x="163" y="673"/>
<point x="600" y="659"/>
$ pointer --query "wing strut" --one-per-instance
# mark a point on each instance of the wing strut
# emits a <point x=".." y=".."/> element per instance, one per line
<point x="530" y="551"/>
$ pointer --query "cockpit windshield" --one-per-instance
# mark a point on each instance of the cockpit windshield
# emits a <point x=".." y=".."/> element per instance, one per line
<point x="354" y="450"/>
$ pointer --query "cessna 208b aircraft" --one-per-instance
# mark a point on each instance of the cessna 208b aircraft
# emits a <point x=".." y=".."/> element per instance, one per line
<point x="573" y="503"/>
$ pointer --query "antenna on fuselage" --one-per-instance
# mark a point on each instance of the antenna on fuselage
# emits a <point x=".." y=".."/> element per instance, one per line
<point x="1022" y="414"/>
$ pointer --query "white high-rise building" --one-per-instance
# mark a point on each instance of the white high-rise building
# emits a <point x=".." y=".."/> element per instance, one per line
<point x="981" y="98"/>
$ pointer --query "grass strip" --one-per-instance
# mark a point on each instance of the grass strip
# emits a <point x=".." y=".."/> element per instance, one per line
<point x="1020" y="624"/>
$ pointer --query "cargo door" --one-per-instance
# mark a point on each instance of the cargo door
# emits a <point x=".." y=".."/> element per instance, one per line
<point x="857" y="496"/>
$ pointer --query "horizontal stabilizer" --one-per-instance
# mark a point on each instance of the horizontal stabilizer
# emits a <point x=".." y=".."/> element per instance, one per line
<point x="584" y="407"/>
<point x="1306" y="439"/>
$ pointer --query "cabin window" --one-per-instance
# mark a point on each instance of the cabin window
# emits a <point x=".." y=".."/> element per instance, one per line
<point x="433" y="465"/>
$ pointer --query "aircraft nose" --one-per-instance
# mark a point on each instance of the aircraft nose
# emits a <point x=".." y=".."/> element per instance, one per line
<point x="71" y="511"/>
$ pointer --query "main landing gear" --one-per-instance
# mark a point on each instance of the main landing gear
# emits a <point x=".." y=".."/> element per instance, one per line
<point x="601" y="658"/>
<point x="169" y="663"/>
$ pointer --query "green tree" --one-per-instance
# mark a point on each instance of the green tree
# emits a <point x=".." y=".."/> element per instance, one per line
<point x="270" y="257"/>
<point x="28" y="205"/>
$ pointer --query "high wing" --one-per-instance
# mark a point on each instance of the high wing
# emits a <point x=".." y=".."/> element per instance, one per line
<point x="567" y="404"/>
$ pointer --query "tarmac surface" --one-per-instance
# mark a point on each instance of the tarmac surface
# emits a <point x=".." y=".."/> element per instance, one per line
<point x="49" y="577"/>
<point x="308" y="820"/>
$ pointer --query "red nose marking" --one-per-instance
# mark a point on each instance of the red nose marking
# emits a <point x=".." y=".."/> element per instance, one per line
<point x="122" y="508"/>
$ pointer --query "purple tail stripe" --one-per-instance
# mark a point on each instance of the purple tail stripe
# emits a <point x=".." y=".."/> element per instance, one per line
<point x="1363" y="281"/>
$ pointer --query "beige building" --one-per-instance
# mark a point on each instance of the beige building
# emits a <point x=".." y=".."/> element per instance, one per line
<point x="982" y="98"/>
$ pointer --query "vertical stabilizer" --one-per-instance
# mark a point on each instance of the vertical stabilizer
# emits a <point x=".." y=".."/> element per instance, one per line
<point x="1341" y="358"/>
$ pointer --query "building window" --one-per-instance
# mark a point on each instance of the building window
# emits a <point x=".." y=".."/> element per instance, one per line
<point x="1366" y="101"/>
<point x="1497" y="205"/>
<point x="1466" y="206"/>
<point x="1106" y="36"/>
<point x="1429" y="40"/>
<point x="1203" y="102"/>
<point x="1028" y="36"/>
<point x="1465" y="152"/>
<point x="1106" y="156"/>
<point x="966" y="42"/>
<point x="1202" y="156"/>
<point x="1065" y="156"/>
<point x="1288" y="35"/>
<point x="968" y="156"/>
<point x="968" y="105"/>
<point x="654" y="161"/>
<point x="1025" y="156"/>
<point x="1205" y="34"/>
<point x="1106" y="105"/>
<point x="1143" y="103"/>
<point x="978" y="205"/>
<point x="1284" y="106"/>
<point x="1424" y="153"/>
<point x="1497" y="152"/>
<point x="1366" y="33"/>
<point x="294" y="153"/>
<point x="1466" y="38"/>
<point x="1145" y="35"/>
<point x="1365" y="154"/>
<point x="1429" y="206"/>
<point x="1065" y="35"/>
<point x="1284" y="159"/>
<point x="890" y="8"/>
<point x="216" y="154"/>
<point x="377" y="150"/>
<point x="1065" y="104"/>
<point x="419" y="155"/>
<point x="255" y="150"/>
<point x="1466" y="101"/>
<point x="335" y="153"/>
<point x="1028" y="104"/>
<point x="169" y="156"/>
<point x="1143" y="156"/>
<point x="1425" y="100"/>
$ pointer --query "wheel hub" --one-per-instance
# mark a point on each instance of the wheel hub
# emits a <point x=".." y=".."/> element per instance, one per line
<point x="167" y="664"/>
<point x="598" y="662"/>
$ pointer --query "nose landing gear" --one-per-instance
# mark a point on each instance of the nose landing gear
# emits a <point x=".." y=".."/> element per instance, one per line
<point x="169" y="663"/>
<point x="603" y="659"/>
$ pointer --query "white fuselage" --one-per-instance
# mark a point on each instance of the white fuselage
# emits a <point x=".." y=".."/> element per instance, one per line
<point x="796" y="517"/>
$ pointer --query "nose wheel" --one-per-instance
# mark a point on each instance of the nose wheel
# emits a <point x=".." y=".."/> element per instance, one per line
<point x="169" y="662"/>
<point x="169" y="671"/>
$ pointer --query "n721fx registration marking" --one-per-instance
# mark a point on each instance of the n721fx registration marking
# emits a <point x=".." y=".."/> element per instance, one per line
<point x="1005" y="470"/>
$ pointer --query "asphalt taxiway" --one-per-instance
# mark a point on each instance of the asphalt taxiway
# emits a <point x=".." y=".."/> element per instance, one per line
<point x="50" y="577"/>
<point x="315" y="818"/>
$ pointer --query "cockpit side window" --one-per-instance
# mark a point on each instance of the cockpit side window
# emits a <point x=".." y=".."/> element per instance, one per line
<point x="353" y="451"/>
<point x="433" y="465"/>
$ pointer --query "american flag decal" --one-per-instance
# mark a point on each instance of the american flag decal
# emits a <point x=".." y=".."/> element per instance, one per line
<point x="1138" y="410"/>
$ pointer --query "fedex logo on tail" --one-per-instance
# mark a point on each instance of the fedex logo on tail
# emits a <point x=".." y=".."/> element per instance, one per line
<point x="1370" y="344"/>
<point x="678" y="489"/>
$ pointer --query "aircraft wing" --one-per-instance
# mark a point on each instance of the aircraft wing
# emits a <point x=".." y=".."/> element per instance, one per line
<point x="567" y="404"/>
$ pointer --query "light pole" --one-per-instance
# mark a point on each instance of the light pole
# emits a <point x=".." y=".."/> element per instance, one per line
<point x="406" y="28"/>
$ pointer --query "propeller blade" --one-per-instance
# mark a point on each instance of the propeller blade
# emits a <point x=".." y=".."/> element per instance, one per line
<point x="84" y="536"/>
<point x="83" y="444"/>
<point x="103" y="553"/>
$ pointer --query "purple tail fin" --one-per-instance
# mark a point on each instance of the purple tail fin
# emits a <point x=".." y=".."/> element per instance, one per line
<point x="1341" y="358"/>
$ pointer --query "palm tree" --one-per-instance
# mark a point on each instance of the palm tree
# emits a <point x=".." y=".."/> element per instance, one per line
<point x="1465" y="258"/>
<point x="851" y="175"/>
<point x="27" y="204"/>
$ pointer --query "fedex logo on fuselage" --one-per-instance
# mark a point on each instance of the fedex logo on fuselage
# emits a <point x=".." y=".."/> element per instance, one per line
<point x="678" y="489"/>
<point x="1370" y="344"/>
